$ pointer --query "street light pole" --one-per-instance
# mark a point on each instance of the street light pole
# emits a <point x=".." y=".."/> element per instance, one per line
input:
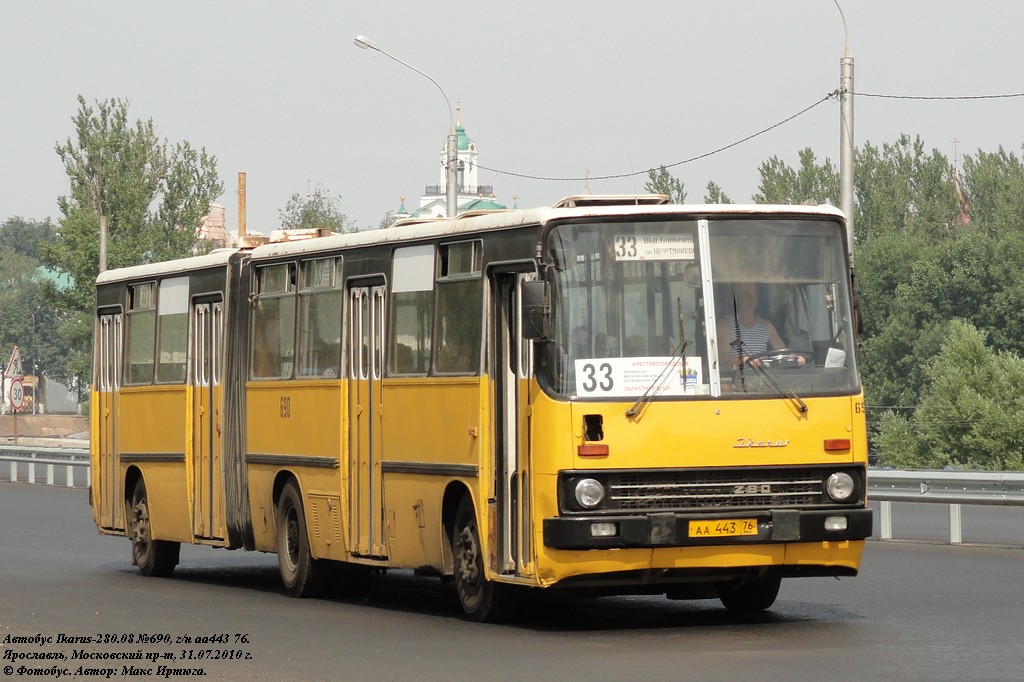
<point x="451" y="146"/>
<point x="846" y="149"/>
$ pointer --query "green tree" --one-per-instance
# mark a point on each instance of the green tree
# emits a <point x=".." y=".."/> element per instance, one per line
<point x="811" y="182"/>
<point x="317" y="209"/>
<point x="152" y="195"/>
<point x="660" y="181"/>
<point x="715" y="195"/>
<point x="993" y="183"/>
<point x="27" y="316"/>
<point x="971" y="413"/>
<point x="387" y="221"/>
<point x="902" y="188"/>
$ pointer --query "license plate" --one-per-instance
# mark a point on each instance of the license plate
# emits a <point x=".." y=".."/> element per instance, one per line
<point x="723" y="528"/>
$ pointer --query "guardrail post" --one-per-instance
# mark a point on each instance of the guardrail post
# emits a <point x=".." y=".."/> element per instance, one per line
<point x="71" y="476"/>
<point x="955" y="529"/>
<point x="31" y="472"/>
<point x="886" y="521"/>
<point x="49" y="474"/>
<point x="14" y="472"/>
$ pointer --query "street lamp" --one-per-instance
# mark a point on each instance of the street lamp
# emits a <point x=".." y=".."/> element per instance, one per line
<point x="846" y="151"/>
<point x="451" y="146"/>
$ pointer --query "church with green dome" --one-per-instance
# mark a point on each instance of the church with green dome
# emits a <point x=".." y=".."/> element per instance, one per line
<point x="472" y="196"/>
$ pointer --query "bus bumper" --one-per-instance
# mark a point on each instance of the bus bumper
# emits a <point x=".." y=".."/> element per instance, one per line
<point x="670" y="529"/>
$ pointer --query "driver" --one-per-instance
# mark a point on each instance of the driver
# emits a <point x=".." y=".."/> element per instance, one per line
<point x="757" y="334"/>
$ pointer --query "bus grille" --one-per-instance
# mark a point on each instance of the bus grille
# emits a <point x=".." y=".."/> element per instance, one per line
<point x="703" y="489"/>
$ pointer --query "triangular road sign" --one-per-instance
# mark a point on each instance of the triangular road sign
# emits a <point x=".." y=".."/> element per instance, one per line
<point x="14" y="366"/>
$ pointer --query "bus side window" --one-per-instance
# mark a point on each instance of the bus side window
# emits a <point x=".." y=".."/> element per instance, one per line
<point x="140" y="344"/>
<point x="320" y="304"/>
<point x="273" y="323"/>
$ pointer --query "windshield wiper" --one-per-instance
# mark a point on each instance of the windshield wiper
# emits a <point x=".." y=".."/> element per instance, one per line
<point x="801" y="406"/>
<point x="660" y="379"/>
<point x="738" y="344"/>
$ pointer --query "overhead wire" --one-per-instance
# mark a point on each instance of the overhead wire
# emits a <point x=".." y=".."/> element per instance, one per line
<point x="832" y="95"/>
<point x="940" y="97"/>
<point x="617" y="176"/>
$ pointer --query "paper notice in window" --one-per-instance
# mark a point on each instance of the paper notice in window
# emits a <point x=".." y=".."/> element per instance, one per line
<point x="835" y="358"/>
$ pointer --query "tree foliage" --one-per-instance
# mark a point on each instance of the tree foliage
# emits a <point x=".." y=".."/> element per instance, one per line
<point x="971" y="413"/>
<point x="318" y="209"/>
<point x="715" y="195"/>
<point x="811" y="182"/>
<point x="27" y="318"/>
<point x="660" y="181"/>
<point x="152" y="193"/>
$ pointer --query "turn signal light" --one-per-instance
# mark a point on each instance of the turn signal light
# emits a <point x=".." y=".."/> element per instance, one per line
<point x="592" y="450"/>
<point x="837" y="444"/>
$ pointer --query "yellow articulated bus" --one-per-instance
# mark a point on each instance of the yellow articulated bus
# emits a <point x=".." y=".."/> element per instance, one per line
<point x="615" y="394"/>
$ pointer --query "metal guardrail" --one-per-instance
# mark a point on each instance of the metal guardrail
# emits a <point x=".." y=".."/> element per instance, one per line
<point x="24" y="457"/>
<point x="954" y="488"/>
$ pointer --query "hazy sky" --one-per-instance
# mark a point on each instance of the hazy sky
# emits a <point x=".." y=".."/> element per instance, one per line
<point x="549" y="88"/>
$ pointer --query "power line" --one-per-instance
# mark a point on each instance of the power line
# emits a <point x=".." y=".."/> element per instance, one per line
<point x="617" y="176"/>
<point x="940" y="97"/>
<point x="832" y="95"/>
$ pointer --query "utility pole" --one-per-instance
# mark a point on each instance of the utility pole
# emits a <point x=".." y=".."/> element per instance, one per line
<point x="846" y="149"/>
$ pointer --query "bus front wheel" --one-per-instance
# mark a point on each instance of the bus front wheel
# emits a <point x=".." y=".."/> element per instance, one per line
<point x="749" y="596"/>
<point x="153" y="557"/>
<point x="482" y="600"/>
<point x="301" y="574"/>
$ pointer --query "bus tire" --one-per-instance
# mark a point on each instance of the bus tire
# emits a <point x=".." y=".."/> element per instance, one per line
<point x="301" y="574"/>
<point x="482" y="600"/>
<point x="153" y="557"/>
<point x="749" y="596"/>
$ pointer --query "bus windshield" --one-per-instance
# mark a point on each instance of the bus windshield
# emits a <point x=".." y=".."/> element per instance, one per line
<point x="684" y="308"/>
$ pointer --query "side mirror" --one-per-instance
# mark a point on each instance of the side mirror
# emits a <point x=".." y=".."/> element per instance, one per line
<point x="536" y="310"/>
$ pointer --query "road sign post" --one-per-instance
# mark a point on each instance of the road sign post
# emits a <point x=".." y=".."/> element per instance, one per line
<point x="15" y="395"/>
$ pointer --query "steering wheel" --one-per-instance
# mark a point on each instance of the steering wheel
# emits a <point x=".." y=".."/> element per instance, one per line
<point x="782" y="358"/>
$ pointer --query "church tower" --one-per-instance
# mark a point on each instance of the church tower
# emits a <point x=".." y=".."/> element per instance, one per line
<point x="471" y="194"/>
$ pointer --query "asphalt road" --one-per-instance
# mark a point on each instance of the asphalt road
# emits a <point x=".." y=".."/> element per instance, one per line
<point x="918" y="611"/>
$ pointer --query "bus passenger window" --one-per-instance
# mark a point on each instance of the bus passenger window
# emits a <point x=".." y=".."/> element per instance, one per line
<point x="273" y="324"/>
<point x="320" y="304"/>
<point x="141" y="345"/>
<point x="459" y="324"/>
<point x="173" y="330"/>
<point x="412" y="310"/>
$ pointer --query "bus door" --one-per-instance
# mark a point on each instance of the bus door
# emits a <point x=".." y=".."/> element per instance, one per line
<point x="366" y="363"/>
<point x="207" y="473"/>
<point x="511" y="365"/>
<point x="107" y="479"/>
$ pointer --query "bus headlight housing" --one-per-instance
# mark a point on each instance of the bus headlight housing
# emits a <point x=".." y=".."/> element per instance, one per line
<point x="589" y="493"/>
<point x="840" y="486"/>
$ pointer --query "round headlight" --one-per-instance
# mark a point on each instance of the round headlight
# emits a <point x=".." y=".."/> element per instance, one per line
<point x="840" y="486"/>
<point x="589" y="493"/>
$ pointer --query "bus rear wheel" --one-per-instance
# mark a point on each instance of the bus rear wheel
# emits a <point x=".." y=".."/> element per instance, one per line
<point x="153" y="557"/>
<point x="482" y="600"/>
<point x="301" y="574"/>
<point x="749" y="596"/>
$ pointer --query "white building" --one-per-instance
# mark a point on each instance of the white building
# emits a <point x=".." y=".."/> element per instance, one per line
<point x="472" y="196"/>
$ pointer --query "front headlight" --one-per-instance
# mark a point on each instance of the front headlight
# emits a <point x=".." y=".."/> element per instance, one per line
<point x="840" y="486"/>
<point x="589" y="493"/>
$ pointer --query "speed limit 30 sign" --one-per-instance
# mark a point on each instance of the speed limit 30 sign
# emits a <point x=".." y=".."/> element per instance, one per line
<point x="17" y="394"/>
